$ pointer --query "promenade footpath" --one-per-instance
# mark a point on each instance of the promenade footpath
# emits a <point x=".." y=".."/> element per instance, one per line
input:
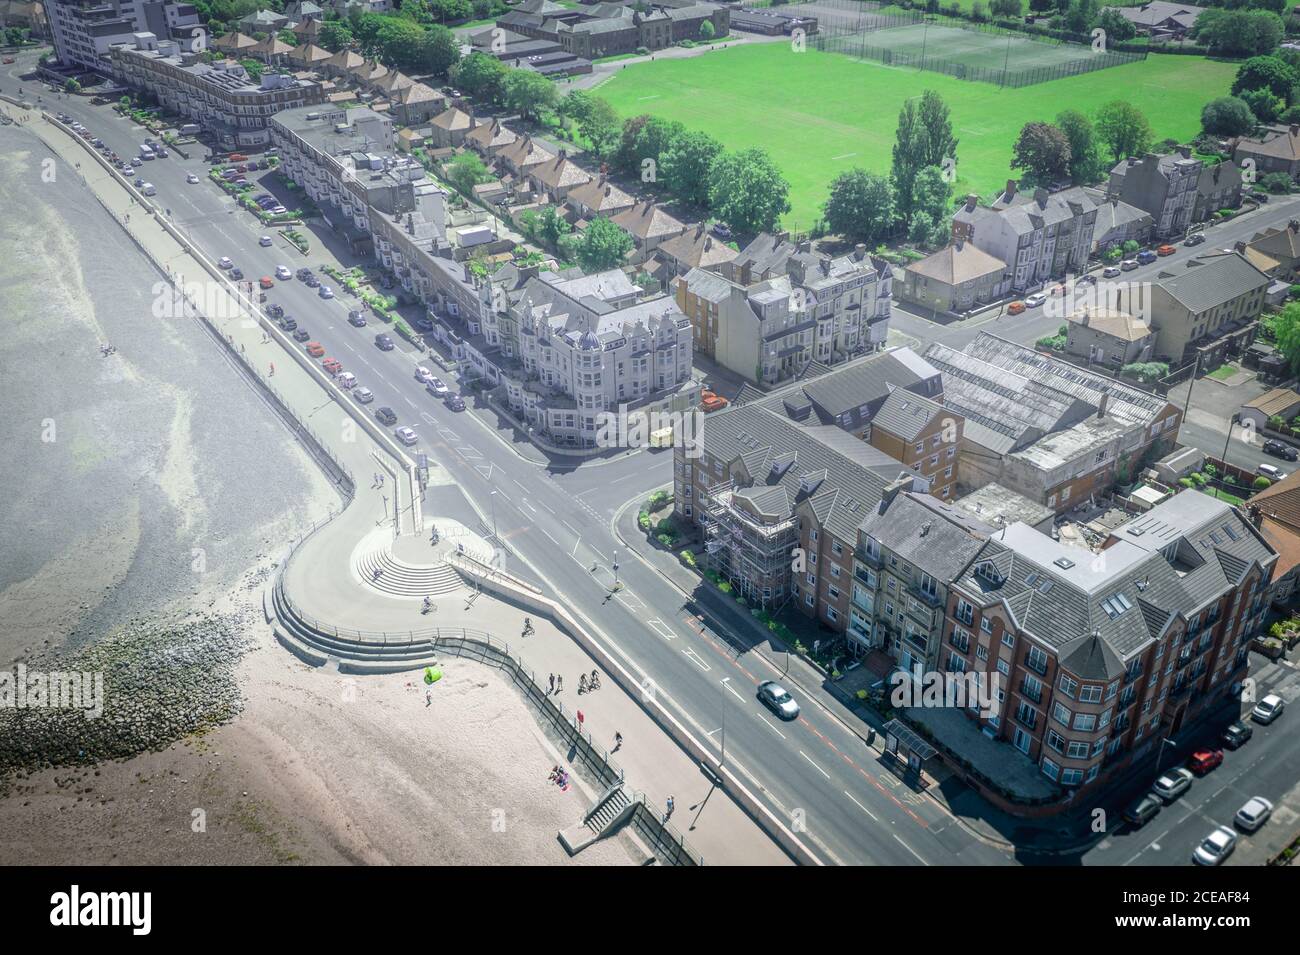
<point x="324" y="577"/>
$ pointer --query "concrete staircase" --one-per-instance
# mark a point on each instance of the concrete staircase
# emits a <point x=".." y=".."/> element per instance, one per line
<point x="398" y="579"/>
<point x="608" y="812"/>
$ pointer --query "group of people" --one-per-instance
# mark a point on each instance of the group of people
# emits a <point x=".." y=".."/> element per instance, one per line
<point x="586" y="683"/>
<point x="107" y="350"/>
<point x="560" y="776"/>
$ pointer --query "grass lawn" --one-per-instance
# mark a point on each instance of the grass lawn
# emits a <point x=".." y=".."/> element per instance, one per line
<point x="1223" y="373"/>
<point x="819" y="114"/>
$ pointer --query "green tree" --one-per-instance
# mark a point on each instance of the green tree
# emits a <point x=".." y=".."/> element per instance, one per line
<point x="1286" y="333"/>
<point x="1227" y="116"/>
<point x="1080" y="14"/>
<point x="651" y="140"/>
<point x="1124" y="129"/>
<point x="1239" y="32"/>
<point x="287" y="36"/>
<point x="1263" y="105"/>
<point x="747" y="191"/>
<point x="603" y="246"/>
<point x="1006" y="9"/>
<point x="594" y="117"/>
<point x="684" y="166"/>
<point x="1266" y="72"/>
<point x="71" y="86"/>
<point x="1085" y="158"/>
<point x="480" y="75"/>
<point x="707" y="31"/>
<point x="929" y="224"/>
<point x="528" y="93"/>
<point x="860" y="206"/>
<point x="334" y="36"/>
<point x="437" y="52"/>
<point x="1116" y="26"/>
<point x="466" y="171"/>
<point x="1042" y="152"/>
<point x="924" y="138"/>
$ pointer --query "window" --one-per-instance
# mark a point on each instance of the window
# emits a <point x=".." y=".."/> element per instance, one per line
<point x="1036" y="659"/>
<point x="1090" y="693"/>
<point x="986" y="625"/>
<point x="836" y="548"/>
<point x="965" y="612"/>
<point x="1061" y="713"/>
<point x="1008" y="638"/>
<point x="1085" y="722"/>
<point x="1068" y="685"/>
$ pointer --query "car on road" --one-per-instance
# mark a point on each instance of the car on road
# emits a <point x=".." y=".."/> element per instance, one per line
<point x="282" y="273"/>
<point x="1254" y="814"/>
<point x="325" y="292"/>
<point x="160" y="152"/>
<point x="275" y="311"/>
<point x="332" y="365"/>
<point x="1165" y="250"/>
<point x="1172" y="784"/>
<point x="303" y="273"/>
<point x="356" y="319"/>
<point x="289" y="324"/>
<point x="422" y="374"/>
<point x="1142" y="810"/>
<point x="236" y="273"/>
<point x="1204" y="760"/>
<point x="1237" y="735"/>
<point x="139" y="182"/>
<point x="1270" y="472"/>
<point x="1268" y="709"/>
<point x="1015" y="308"/>
<point x="1281" y="450"/>
<point x="435" y="387"/>
<point x="191" y="179"/>
<point x="778" y="699"/>
<point x="1146" y="257"/>
<point x="225" y="263"/>
<point x="266" y="282"/>
<point x="1196" y="238"/>
<point x="406" y="436"/>
<point x="1110" y="272"/>
<point x="455" y="403"/>
<point x="347" y="380"/>
<point x="1216" y="847"/>
<point x="1035" y="300"/>
<point x="363" y="395"/>
<point x="315" y="349"/>
<point x="1128" y="265"/>
<point x="301" y="335"/>
<point x="385" y="415"/>
<point x="384" y="343"/>
<point x="265" y="241"/>
<point x="312" y="281"/>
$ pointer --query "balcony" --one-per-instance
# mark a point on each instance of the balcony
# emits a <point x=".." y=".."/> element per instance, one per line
<point x="1036" y="695"/>
<point x="1038" y="667"/>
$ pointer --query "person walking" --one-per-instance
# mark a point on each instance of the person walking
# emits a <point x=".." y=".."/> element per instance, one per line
<point x="559" y="682"/>
<point x="272" y="375"/>
<point x="552" y="684"/>
<point x="618" y="742"/>
<point x="582" y="683"/>
<point x="669" y="813"/>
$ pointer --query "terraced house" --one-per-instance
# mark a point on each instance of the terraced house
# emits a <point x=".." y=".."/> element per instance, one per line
<point x="1101" y="653"/>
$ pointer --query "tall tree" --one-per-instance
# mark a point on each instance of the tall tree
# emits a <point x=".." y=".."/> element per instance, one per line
<point x="1085" y="160"/>
<point x="684" y="166"/>
<point x="747" y="191"/>
<point x="1042" y="152"/>
<point x="480" y="76"/>
<point x="860" y="206"/>
<point x="603" y="246"/>
<point x="929" y="224"/>
<point x="1266" y="72"/>
<point x="438" y="52"/>
<point x="1124" y="129"/>
<point x="528" y="92"/>
<point x="924" y="138"/>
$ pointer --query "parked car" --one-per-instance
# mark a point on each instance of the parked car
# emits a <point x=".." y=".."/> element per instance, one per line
<point x="1281" y="450"/>
<point x="265" y="241"/>
<point x="1270" y="472"/>
<point x="386" y="415"/>
<point x="1110" y="272"/>
<point x="1216" y="847"/>
<point x="275" y="311"/>
<point x="301" y="335"/>
<point x="1196" y="238"/>
<point x="1237" y="735"/>
<point x="1146" y="257"/>
<point x="406" y="436"/>
<point x="356" y="319"/>
<point x="139" y="183"/>
<point x="282" y="273"/>
<point x="1204" y="760"/>
<point x="778" y="699"/>
<point x="721" y="230"/>
<point x="347" y="380"/>
<point x="266" y="282"/>
<point x="1165" y="250"/>
<point x="1015" y="308"/>
<point x="312" y="281"/>
<point x="1128" y="265"/>
<point x="1172" y="784"/>
<point x="710" y="401"/>
<point x="303" y="273"/>
<point x="236" y="273"/>
<point x="1254" y="814"/>
<point x="325" y="292"/>
<point x="435" y="387"/>
<point x="315" y="349"/>
<point x="1142" y="810"/>
<point x="363" y="395"/>
<point x="422" y="374"/>
<point x="191" y="179"/>
<point x="1268" y="709"/>
<point x="424" y="323"/>
<point x="332" y="365"/>
<point x="288" y="324"/>
<point x="384" y="343"/>
<point x="1035" y="300"/>
<point x="455" y="403"/>
<point x="225" y="262"/>
<point x="160" y="153"/>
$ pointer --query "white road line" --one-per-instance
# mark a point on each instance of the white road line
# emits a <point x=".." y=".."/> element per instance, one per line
<point x="661" y="628"/>
<point x="411" y="403"/>
<point x="710" y="733"/>
<point x="548" y="536"/>
<point x="427" y="417"/>
<point x="575" y="548"/>
<point x="909" y="849"/>
<point x="524" y="502"/>
<point x="565" y="523"/>
<point x="726" y="682"/>
<point x="772" y="725"/>
<point x="814" y="765"/>
<point x="545" y="505"/>
<point x="696" y="658"/>
<point x="860" y="806"/>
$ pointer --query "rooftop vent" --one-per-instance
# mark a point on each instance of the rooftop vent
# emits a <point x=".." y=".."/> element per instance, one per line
<point x="1064" y="563"/>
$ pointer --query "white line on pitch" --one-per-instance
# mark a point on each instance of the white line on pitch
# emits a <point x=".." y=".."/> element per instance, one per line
<point x="814" y="765"/>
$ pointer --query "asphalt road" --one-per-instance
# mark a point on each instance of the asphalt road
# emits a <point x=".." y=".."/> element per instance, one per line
<point x="814" y="772"/>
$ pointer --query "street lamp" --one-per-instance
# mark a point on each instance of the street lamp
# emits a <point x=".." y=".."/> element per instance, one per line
<point x="1160" y="757"/>
<point x="493" y="499"/>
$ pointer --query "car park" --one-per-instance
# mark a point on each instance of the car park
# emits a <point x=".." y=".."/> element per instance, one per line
<point x="1279" y="449"/>
<point x="282" y="273"/>
<point x="315" y="349"/>
<point x="384" y="343"/>
<point x="455" y="403"/>
<point x="1216" y="847"/>
<point x="1128" y="265"/>
<point x="1203" y="761"/>
<point x="406" y="436"/>
<point x="435" y="387"/>
<point x="385" y="415"/>
<point x="1110" y="272"/>
<point x="356" y="319"/>
<point x="1196" y="238"/>
<point x="301" y="335"/>
<point x="325" y="292"/>
<point x="1172" y="784"/>
<point x="1237" y="735"/>
<point x="1268" y="709"/>
<point x="1142" y="810"/>
<point x="265" y="241"/>
<point x="363" y="395"/>
<point x="778" y="699"/>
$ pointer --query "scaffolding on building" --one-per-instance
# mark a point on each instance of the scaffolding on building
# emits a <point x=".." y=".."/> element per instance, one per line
<point x="755" y="556"/>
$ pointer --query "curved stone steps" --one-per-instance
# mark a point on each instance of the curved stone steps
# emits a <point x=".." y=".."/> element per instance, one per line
<point x="398" y="579"/>
<point x="346" y="648"/>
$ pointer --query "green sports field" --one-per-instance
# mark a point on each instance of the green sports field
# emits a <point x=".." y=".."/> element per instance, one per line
<point x="819" y="114"/>
<point x="970" y="47"/>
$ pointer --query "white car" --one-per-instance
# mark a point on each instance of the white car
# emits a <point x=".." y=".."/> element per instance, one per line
<point x="346" y="380"/>
<point x="137" y="161"/>
<point x="1254" y="814"/>
<point x="363" y="395"/>
<point x="1268" y="709"/>
<point x="1217" y="846"/>
<point x="1035" y="300"/>
<point x="191" y="179"/>
<point x="282" y="273"/>
<point x="1110" y="272"/>
<point x="435" y="387"/>
<point x="264" y="241"/>
<point x="1172" y="784"/>
<point x="225" y="262"/>
<point x="326" y="292"/>
<point x="422" y="374"/>
<point x="406" y="436"/>
<point x="1270" y="472"/>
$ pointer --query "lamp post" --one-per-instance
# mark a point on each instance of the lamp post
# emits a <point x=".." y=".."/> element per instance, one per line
<point x="492" y="498"/>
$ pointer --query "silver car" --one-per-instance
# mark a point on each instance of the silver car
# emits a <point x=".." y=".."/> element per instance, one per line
<point x="1254" y="814"/>
<point x="363" y="395"/>
<point x="1268" y="709"/>
<point x="1216" y="847"/>
<point x="778" y="699"/>
<point x="1172" y="784"/>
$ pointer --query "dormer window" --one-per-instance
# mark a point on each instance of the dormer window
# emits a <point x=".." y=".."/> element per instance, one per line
<point x="987" y="570"/>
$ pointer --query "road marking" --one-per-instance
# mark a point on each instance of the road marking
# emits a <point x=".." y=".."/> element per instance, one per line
<point x="524" y="502"/>
<point x="661" y="628"/>
<point x="860" y="806"/>
<point x="772" y="725"/>
<point x="696" y="658"/>
<point x="467" y="451"/>
<point x="488" y="474"/>
<point x="427" y="417"/>
<point x="814" y="765"/>
<point x="628" y="595"/>
<point x="545" y="505"/>
<point x="411" y="403"/>
<point x="565" y="523"/>
<point x="909" y="849"/>
<point x="726" y="682"/>
<point x="449" y="435"/>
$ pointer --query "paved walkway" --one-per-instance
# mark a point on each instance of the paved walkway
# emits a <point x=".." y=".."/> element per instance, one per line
<point x="322" y="578"/>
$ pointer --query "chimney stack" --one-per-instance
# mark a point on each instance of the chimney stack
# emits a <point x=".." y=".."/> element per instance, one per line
<point x="972" y="200"/>
<point x="901" y="483"/>
<point x="1101" y="406"/>
<point x="860" y="251"/>
<point x="805" y="245"/>
<point x="1239" y="246"/>
<point x="1011" y="189"/>
<point x="1295" y="129"/>
<point x="1294" y="225"/>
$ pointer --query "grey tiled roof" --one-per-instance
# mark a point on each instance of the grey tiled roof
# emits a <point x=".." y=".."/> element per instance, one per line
<point x="869" y="380"/>
<point x="936" y="537"/>
<point x="1209" y="281"/>
<point x="905" y="414"/>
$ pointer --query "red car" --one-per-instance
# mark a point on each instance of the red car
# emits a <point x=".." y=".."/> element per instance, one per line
<point x="1204" y="760"/>
<point x="334" y="366"/>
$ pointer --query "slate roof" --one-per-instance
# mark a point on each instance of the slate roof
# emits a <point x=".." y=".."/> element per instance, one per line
<point x="905" y="414"/>
<point x="646" y="220"/>
<point x="926" y="532"/>
<point x="1209" y="281"/>
<point x="957" y="263"/>
<point x="870" y="380"/>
